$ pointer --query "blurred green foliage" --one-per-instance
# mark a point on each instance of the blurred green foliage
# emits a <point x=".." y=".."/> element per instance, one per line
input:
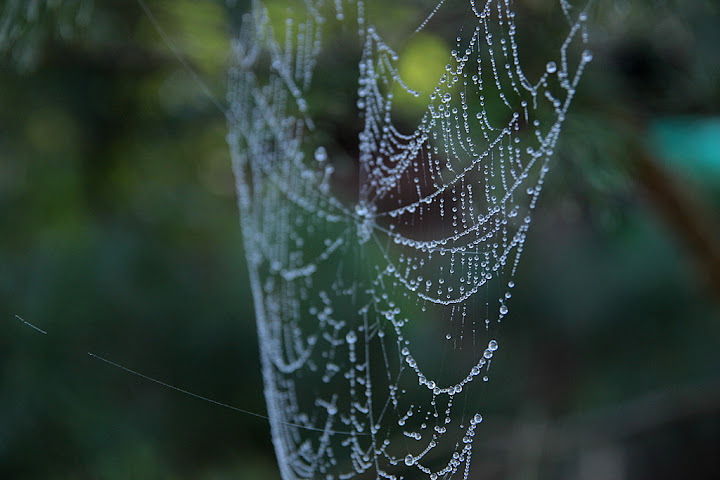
<point x="120" y="237"/>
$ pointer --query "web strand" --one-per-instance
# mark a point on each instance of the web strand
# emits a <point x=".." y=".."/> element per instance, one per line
<point x="181" y="58"/>
<point x="183" y="391"/>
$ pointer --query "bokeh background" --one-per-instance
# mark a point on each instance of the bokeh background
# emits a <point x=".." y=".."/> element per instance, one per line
<point x="119" y="235"/>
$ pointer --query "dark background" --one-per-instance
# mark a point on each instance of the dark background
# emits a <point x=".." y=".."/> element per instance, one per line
<point x="120" y="236"/>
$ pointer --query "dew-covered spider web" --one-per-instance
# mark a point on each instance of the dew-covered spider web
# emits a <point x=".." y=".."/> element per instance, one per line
<point x="25" y="24"/>
<point x="378" y="304"/>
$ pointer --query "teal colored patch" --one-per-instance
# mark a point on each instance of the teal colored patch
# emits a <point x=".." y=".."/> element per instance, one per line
<point x="689" y="143"/>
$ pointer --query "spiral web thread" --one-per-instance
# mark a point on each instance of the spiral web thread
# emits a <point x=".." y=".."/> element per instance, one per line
<point x="342" y="289"/>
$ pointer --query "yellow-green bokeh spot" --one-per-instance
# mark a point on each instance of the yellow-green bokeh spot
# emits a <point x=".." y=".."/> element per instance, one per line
<point x="280" y="12"/>
<point x="199" y="31"/>
<point x="422" y="63"/>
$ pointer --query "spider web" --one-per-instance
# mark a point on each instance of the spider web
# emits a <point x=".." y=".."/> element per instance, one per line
<point x="25" y="24"/>
<point x="377" y="316"/>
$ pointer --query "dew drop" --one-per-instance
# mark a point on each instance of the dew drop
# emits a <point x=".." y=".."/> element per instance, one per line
<point x="321" y="154"/>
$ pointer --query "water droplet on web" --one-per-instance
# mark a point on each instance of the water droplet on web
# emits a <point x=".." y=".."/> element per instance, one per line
<point x="409" y="460"/>
<point x="320" y="154"/>
<point x="503" y="309"/>
<point x="551" y="67"/>
<point x="351" y="337"/>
